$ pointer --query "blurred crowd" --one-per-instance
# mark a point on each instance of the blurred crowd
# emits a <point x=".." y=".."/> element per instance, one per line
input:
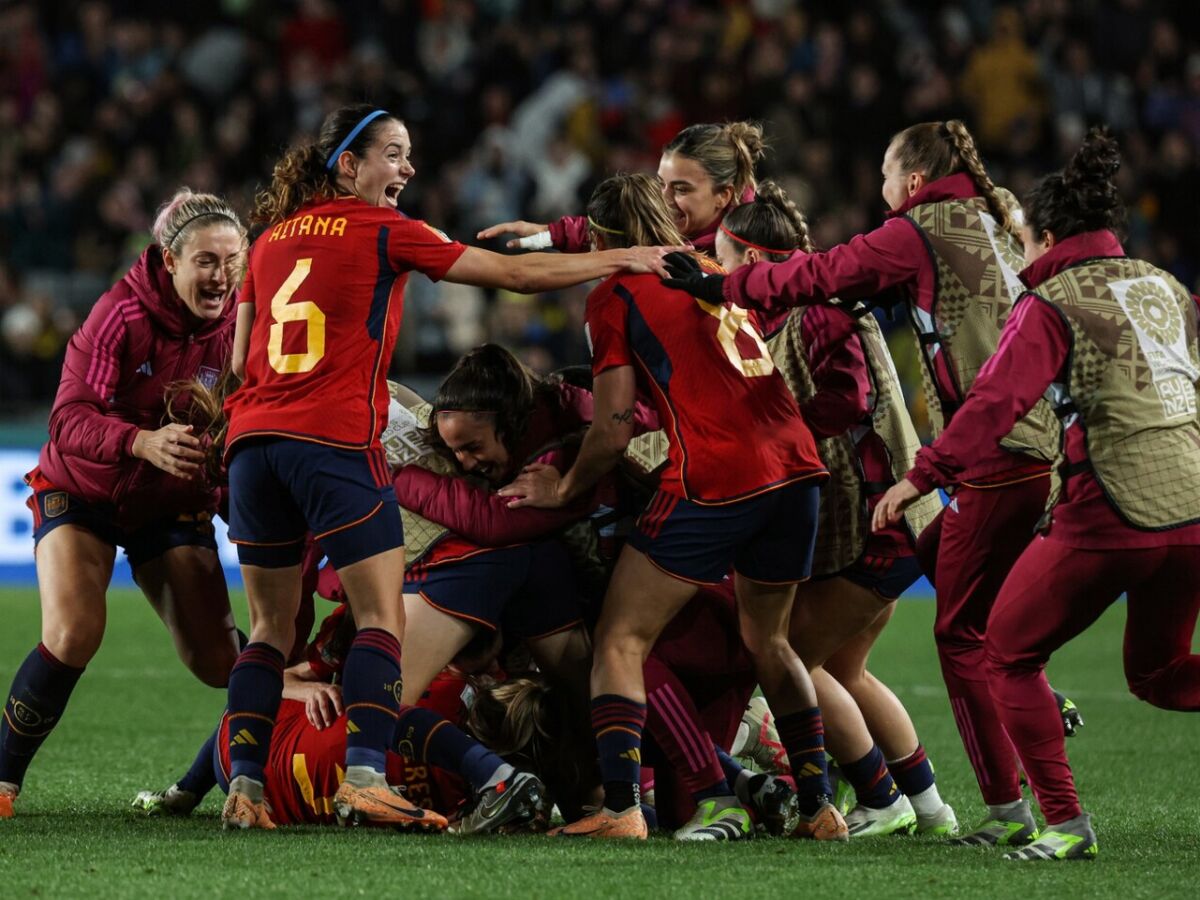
<point x="518" y="107"/>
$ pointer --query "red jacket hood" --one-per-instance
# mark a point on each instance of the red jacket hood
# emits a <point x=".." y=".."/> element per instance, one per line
<point x="149" y="281"/>
<point x="1067" y="252"/>
<point x="958" y="186"/>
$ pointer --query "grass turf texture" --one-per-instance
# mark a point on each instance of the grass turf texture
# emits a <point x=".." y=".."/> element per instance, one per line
<point x="138" y="716"/>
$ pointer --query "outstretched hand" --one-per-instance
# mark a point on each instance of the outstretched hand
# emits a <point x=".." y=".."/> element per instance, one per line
<point x="536" y="486"/>
<point x="899" y="497"/>
<point x="683" y="273"/>
<point x="520" y="228"/>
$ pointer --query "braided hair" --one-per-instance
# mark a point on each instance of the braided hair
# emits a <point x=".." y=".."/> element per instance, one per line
<point x="938" y="149"/>
<point x="772" y="220"/>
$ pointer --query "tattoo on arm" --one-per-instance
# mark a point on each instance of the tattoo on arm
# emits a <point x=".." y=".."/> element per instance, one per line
<point x="623" y="418"/>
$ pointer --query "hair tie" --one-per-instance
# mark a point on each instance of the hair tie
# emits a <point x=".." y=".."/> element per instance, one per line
<point x="354" y="132"/>
<point x="201" y="215"/>
<point x="759" y="247"/>
<point x="600" y="227"/>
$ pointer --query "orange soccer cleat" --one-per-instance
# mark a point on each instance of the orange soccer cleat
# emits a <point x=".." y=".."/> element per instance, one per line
<point x="826" y="824"/>
<point x="6" y="804"/>
<point x="382" y="804"/>
<point x="241" y="813"/>
<point x="604" y="823"/>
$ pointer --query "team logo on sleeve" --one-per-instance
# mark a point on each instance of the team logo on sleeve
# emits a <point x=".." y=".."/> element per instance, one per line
<point x="445" y="238"/>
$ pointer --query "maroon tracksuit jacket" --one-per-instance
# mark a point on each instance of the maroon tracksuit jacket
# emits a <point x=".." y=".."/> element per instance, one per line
<point x="138" y="338"/>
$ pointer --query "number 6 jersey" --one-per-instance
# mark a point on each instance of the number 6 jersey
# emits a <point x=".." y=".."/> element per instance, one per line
<point x="328" y="289"/>
<point x="733" y="427"/>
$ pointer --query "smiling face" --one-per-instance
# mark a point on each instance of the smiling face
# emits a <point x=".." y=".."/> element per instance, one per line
<point x="380" y="174"/>
<point x="207" y="269"/>
<point x="694" y="201"/>
<point x="471" y="437"/>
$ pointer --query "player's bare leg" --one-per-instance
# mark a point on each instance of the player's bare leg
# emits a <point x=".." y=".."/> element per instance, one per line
<point x="640" y="601"/>
<point x="186" y="586"/>
<point x="892" y="729"/>
<point x="764" y="611"/>
<point x="431" y="640"/>
<point x="74" y="568"/>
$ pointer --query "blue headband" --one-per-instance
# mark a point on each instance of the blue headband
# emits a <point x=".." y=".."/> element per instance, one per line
<point x="354" y="132"/>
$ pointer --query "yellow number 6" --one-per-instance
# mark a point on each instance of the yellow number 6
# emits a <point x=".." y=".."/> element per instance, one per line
<point x="302" y="311"/>
<point x="731" y="320"/>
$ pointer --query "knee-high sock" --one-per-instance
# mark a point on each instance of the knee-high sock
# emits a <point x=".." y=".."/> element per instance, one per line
<point x="425" y="736"/>
<point x="617" y="723"/>
<point x="36" y="701"/>
<point x="872" y="782"/>
<point x="371" y="693"/>
<point x="255" y="689"/>
<point x="200" y="778"/>
<point x="803" y="736"/>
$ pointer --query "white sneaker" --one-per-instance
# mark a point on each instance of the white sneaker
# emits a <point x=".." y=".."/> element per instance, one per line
<point x="943" y="823"/>
<point x="717" y="819"/>
<point x="866" y="821"/>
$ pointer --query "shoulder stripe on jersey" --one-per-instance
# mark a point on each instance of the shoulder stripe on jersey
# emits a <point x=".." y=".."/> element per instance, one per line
<point x="643" y="341"/>
<point x="386" y="277"/>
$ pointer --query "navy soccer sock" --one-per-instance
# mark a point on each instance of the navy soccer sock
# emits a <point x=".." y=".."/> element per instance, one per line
<point x="803" y="736"/>
<point x="200" y="778"/>
<point x="255" y="689"/>
<point x="872" y="782"/>
<point x="617" y="723"/>
<point x="371" y="692"/>
<point x="914" y="773"/>
<point x="35" y="704"/>
<point x="730" y="766"/>
<point x="425" y="736"/>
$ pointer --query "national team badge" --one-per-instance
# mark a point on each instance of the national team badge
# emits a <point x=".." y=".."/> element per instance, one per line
<point x="208" y="376"/>
<point x="55" y="504"/>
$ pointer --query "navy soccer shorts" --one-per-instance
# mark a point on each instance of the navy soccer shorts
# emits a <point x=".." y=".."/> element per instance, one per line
<point x="767" y="538"/>
<point x="280" y="488"/>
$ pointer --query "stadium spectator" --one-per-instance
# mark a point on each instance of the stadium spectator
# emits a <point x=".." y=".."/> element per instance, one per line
<point x="104" y="106"/>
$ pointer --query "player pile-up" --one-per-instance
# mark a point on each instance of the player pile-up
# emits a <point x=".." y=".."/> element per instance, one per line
<point x="562" y="597"/>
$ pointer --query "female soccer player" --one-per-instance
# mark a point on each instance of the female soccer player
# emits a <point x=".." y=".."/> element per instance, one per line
<point x="443" y="769"/>
<point x="705" y="171"/>
<point x="740" y="489"/>
<point x="316" y="327"/>
<point x="842" y="375"/>
<point x="1113" y="341"/>
<point x="113" y="474"/>
<point x="948" y="244"/>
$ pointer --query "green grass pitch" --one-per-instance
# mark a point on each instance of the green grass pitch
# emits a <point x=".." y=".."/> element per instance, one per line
<point x="137" y="717"/>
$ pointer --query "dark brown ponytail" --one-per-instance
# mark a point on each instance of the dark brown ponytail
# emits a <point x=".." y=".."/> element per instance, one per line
<point x="303" y="175"/>
<point x="1083" y="196"/>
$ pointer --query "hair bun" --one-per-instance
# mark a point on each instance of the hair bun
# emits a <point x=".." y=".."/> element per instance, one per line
<point x="1097" y="160"/>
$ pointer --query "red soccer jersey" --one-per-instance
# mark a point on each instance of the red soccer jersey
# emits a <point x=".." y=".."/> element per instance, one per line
<point x="307" y="765"/>
<point x="328" y="289"/>
<point x="734" y="428"/>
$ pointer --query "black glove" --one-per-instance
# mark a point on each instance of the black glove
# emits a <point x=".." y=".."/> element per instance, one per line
<point x="686" y="275"/>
